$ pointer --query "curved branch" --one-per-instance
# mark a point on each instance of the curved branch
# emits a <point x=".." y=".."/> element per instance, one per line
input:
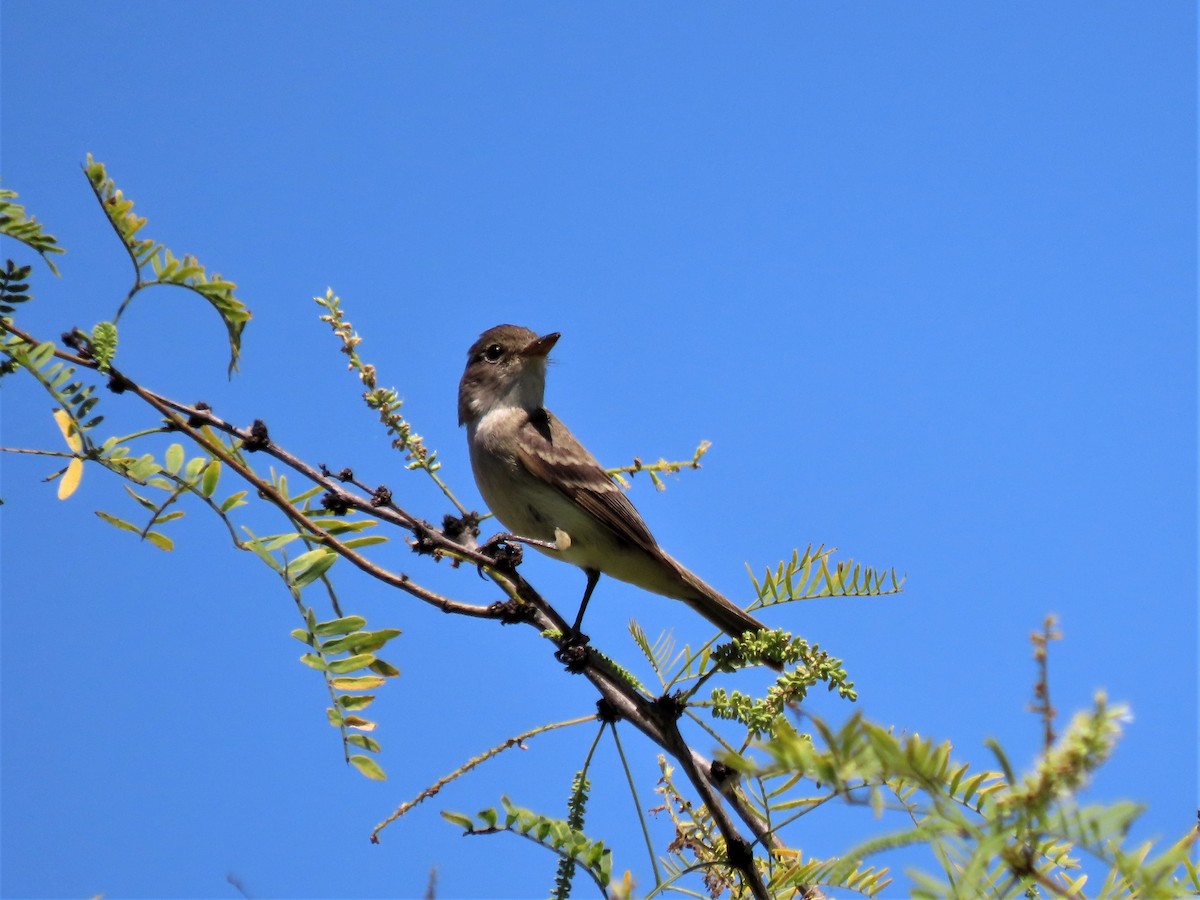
<point x="654" y="720"/>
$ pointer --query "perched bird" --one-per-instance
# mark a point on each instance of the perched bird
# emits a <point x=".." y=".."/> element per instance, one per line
<point x="545" y="486"/>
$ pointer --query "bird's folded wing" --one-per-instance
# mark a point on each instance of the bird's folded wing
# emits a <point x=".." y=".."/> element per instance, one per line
<point x="552" y="454"/>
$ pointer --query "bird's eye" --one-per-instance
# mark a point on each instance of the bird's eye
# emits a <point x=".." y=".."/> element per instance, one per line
<point x="493" y="352"/>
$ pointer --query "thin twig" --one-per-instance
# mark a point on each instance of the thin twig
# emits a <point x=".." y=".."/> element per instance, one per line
<point x="625" y="700"/>
<point x="430" y="791"/>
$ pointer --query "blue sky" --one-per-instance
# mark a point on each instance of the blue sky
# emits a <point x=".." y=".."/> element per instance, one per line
<point x="925" y="275"/>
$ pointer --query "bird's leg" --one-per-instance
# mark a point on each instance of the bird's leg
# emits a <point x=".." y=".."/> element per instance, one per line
<point x="573" y="651"/>
<point x="593" y="576"/>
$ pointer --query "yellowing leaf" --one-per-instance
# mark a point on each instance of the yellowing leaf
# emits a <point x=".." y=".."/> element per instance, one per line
<point x="159" y="540"/>
<point x="69" y="433"/>
<point x="70" y="480"/>
<point x="361" y="683"/>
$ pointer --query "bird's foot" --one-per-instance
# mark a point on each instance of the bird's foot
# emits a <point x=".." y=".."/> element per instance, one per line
<point x="573" y="651"/>
<point x="503" y="549"/>
<point x="510" y="612"/>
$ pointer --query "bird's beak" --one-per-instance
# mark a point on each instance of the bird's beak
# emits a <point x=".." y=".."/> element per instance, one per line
<point x="541" y="347"/>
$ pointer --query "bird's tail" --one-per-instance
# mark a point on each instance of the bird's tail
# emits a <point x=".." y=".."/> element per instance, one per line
<point x="730" y="618"/>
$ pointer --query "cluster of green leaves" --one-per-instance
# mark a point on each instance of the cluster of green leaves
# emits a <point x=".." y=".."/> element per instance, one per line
<point x="166" y="268"/>
<point x="760" y="714"/>
<point x="338" y="649"/>
<point x="557" y="835"/>
<point x="172" y="480"/>
<point x="994" y="834"/>
<point x="808" y="576"/>
<point x="158" y="482"/>
<point x="16" y="224"/>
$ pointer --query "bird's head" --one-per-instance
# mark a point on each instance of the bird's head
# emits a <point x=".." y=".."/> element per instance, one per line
<point x="506" y="367"/>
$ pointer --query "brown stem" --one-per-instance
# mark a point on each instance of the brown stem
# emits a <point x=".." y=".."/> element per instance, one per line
<point x="652" y="720"/>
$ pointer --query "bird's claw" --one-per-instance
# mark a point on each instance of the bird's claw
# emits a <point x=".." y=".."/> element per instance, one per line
<point x="573" y="651"/>
<point x="503" y="551"/>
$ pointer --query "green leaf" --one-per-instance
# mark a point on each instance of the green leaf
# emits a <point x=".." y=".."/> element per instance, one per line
<point x="302" y="636"/>
<point x="174" y="458"/>
<point x="195" y="464"/>
<point x="313" y="661"/>
<point x="280" y="540"/>
<point x="119" y="523"/>
<point x="365" y="541"/>
<point x="298" y="499"/>
<point x="463" y="822"/>
<point x="350" y="663"/>
<point x="368" y="767"/>
<point x="255" y="546"/>
<point x="349" y="701"/>
<point x="233" y="501"/>
<point x="336" y="526"/>
<point x="212" y="474"/>
<point x="41" y="354"/>
<point x="360" y="641"/>
<point x="146" y="503"/>
<point x="143" y="468"/>
<point x="308" y="567"/>
<point x="489" y="817"/>
<point x="343" y="625"/>
<point x="362" y="740"/>
<point x="63" y="377"/>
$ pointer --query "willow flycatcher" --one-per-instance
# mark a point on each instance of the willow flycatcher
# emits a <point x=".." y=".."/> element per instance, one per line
<point x="544" y="485"/>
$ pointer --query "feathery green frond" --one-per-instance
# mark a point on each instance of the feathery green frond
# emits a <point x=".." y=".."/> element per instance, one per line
<point x="809" y="576"/>
<point x="166" y="268"/>
<point x="14" y="287"/>
<point x="18" y="225"/>
<point x="661" y="654"/>
<point x="998" y="834"/>
<point x="554" y="834"/>
<point x="797" y="873"/>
